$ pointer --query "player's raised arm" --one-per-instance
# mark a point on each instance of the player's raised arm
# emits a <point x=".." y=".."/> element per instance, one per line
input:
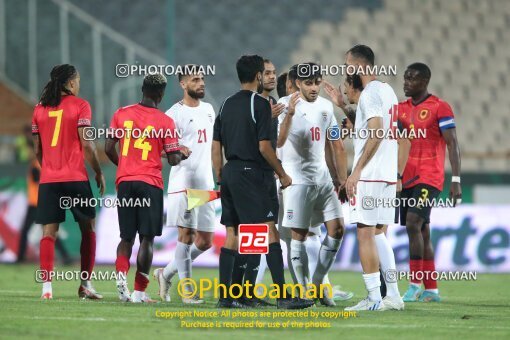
<point x="287" y="121"/>
<point x="90" y="152"/>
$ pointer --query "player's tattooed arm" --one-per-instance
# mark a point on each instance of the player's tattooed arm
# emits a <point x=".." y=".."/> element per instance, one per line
<point x="89" y="148"/>
<point x="371" y="146"/>
<point x="287" y="121"/>
<point x="217" y="159"/>
<point x="450" y="137"/>
<point x="37" y="148"/>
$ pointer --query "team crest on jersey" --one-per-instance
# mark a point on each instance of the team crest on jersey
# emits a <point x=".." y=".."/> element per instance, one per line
<point x="290" y="214"/>
<point x="210" y="117"/>
<point x="324" y="116"/>
<point x="424" y="115"/>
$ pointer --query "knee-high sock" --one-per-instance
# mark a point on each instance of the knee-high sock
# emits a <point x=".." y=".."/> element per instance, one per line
<point x="289" y="261"/>
<point x="313" y="246"/>
<point x="327" y="255"/>
<point x="227" y="258"/>
<point x="299" y="260"/>
<point x="240" y="264"/>
<point x="416" y="271"/>
<point x="262" y="269"/>
<point x="275" y="263"/>
<point x="171" y="269"/>
<point x="141" y="281"/>
<point x="428" y="279"/>
<point x="88" y="252"/>
<point x="387" y="261"/>
<point x="252" y="269"/>
<point x="46" y="257"/>
<point x="183" y="260"/>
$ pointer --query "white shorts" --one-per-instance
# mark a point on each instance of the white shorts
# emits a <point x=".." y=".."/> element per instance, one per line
<point x="362" y="209"/>
<point x="307" y="206"/>
<point x="202" y="218"/>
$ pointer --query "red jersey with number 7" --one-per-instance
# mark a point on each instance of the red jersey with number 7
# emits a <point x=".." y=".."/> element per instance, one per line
<point x="57" y="127"/>
<point x="143" y="132"/>
<point x="427" y="155"/>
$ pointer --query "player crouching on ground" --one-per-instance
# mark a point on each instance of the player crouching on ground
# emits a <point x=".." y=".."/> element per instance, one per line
<point x="139" y="178"/>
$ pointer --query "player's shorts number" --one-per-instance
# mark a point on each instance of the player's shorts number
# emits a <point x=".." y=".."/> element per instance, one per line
<point x="140" y="143"/>
<point x="56" y="132"/>
<point x="424" y="196"/>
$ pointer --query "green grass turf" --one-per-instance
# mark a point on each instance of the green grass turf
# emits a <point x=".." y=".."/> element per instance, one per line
<point x="470" y="310"/>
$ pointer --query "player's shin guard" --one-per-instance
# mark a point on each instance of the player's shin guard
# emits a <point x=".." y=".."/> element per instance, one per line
<point x="275" y="263"/>
<point x="387" y="261"/>
<point x="46" y="257"/>
<point x="327" y="255"/>
<point x="428" y="278"/>
<point x="299" y="260"/>
<point x="141" y="281"/>
<point x="88" y="253"/>
<point x="227" y="258"/>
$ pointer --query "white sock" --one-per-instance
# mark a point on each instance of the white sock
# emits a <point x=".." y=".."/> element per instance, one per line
<point x="387" y="261"/>
<point x="85" y="283"/>
<point x="171" y="269"/>
<point x="327" y="255"/>
<point x="46" y="287"/>
<point x="299" y="260"/>
<point x="262" y="269"/>
<point x="313" y="246"/>
<point x="373" y="285"/>
<point x="435" y="291"/>
<point x="138" y="295"/>
<point x="183" y="260"/>
<point x="289" y="261"/>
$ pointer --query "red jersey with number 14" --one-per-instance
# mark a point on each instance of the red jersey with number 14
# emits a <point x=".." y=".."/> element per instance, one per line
<point x="57" y="127"/>
<point x="427" y="155"/>
<point x="140" y="150"/>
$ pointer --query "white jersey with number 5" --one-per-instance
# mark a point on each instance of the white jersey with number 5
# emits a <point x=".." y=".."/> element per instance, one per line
<point x="196" y="127"/>
<point x="377" y="100"/>
<point x="303" y="155"/>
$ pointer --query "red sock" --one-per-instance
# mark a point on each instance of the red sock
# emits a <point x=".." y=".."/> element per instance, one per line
<point x="122" y="264"/>
<point x="88" y="251"/>
<point x="141" y="281"/>
<point x="428" y="268"/>
<point x="415" y="269"/>
<point x="46" y="257"/>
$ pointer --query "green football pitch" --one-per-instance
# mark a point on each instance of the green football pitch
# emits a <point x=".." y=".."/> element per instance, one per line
<point x="469" y="310"/>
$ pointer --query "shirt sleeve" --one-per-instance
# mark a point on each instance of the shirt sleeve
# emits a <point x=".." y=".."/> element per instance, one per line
<point x="85" y="114"/>
<point x="217" y="129"/>
<point x="263" y="118"/>
<point x="170" y="140"/>
<point x="333" y="123"/>
<point x="35" y="127"/>
<point x="445" y="116"/>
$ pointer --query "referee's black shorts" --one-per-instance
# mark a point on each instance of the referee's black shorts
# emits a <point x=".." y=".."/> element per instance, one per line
<point x="55" y="198"/>
<point x="146" y="220"/>
<point x="248" y="194"/>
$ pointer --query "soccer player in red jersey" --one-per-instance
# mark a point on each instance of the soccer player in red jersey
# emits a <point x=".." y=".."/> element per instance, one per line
<point x="58" y="127"/>
<point x="424" y="172"/>
<point x="147" y="133"/>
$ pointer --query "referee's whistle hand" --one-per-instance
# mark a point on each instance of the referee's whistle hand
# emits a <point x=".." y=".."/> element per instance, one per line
<point x="285" y="181"/>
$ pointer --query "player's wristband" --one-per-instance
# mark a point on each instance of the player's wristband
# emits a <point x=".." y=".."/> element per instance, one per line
<point x="455" y="179"/>
<point x="399" y="176"/>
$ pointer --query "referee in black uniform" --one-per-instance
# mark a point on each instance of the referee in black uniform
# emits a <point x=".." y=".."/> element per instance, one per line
<point x="243" y="128"/>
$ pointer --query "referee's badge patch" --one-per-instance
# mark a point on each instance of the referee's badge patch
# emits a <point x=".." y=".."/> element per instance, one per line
<point x="290" y="214"/>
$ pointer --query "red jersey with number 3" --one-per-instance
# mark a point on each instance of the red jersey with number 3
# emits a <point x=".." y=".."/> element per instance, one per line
<point x="57" y="127"/>
<point x="140" y="150"/>
<point x="427" y="155"/>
